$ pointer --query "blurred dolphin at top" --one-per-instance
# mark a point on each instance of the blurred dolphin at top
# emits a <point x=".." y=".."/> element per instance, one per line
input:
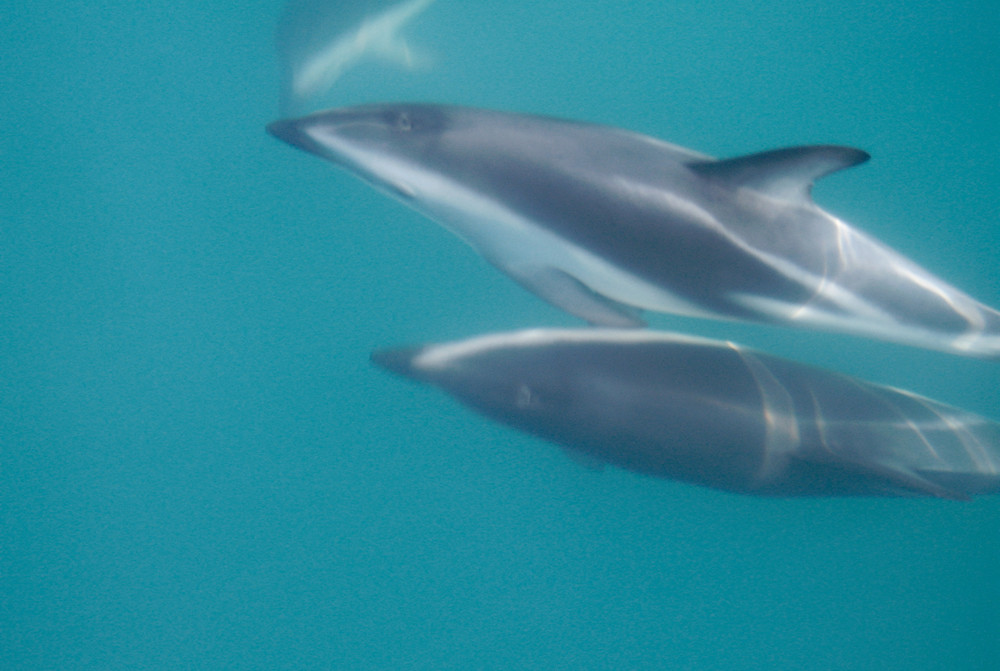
<point x="319" y="40"/>
<point x="604" y="223"/>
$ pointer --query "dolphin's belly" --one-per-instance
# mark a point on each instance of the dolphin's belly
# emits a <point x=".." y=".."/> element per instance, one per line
<point x="674" y="244"/>
<point x="514" y="243"/>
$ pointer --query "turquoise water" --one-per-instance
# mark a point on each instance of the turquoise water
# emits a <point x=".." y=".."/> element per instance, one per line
<point x="200" y="469"/>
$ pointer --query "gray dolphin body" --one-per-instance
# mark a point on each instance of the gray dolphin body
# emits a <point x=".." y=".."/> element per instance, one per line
<point x="603" y="223"/>
<point x="713" y="413"/>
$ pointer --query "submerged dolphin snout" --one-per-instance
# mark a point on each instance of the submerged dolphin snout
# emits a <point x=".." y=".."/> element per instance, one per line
<point x="286" y="130"/>
<point x="398" y="360"/>
<point x="293" y="132"/>
<point x="301" y="133"/>
<point x="327" y="133"/>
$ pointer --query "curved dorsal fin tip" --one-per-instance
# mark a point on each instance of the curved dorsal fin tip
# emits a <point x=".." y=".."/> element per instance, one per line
<point x="782" y="173"/>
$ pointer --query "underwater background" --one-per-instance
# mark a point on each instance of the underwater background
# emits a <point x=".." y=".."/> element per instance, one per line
<point x="199" y="468"/>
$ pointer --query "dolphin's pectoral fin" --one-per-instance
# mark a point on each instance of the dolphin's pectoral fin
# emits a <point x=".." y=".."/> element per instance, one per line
<point x="903" y="479"/>
<point x="978" y="483"/>
<point x="570" y="294"/>
<point x="913" y="481"/>
<point x="787" y="174"/>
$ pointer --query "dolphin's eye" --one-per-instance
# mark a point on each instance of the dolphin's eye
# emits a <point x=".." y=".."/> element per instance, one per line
<point x="403" y="122"/>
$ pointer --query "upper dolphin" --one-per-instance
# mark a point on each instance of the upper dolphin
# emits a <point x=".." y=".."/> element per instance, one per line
<point x="713" y="413"/>
<point x="319" y="40"/>
<point x="603" y="222"/>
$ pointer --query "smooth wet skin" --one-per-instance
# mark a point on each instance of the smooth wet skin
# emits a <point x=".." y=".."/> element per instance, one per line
<point x="712" y="413"/>
<point x="604" y="223"/>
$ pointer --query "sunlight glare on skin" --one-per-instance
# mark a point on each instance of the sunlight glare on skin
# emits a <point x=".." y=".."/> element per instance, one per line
<point x="973" y="446"/>
<point x="781" y="424"/>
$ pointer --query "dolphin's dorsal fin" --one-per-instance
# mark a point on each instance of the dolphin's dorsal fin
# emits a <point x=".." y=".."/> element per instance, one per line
<point x="787" y="174"/>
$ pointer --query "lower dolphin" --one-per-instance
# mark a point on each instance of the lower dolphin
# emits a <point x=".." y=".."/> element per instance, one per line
<point x="604" y="223"/>
<point x="713" y="413"/>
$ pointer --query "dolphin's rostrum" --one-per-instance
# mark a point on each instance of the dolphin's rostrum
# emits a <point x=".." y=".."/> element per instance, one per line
<point x="605" y="223"/>
<point x="713" y="413"/>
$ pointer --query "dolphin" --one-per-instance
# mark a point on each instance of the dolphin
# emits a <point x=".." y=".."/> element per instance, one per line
<point x="604" y="223"/>
<point x="319" y="40"/>
<point x="712" y="413"/>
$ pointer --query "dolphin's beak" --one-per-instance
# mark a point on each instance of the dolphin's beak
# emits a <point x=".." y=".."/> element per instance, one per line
<point x="307" y="132"/>
<point x="285" y="129"/>
<point x="296" y="133"/>
<point x="397" y="360"/>
<point x="293" y="132"/>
